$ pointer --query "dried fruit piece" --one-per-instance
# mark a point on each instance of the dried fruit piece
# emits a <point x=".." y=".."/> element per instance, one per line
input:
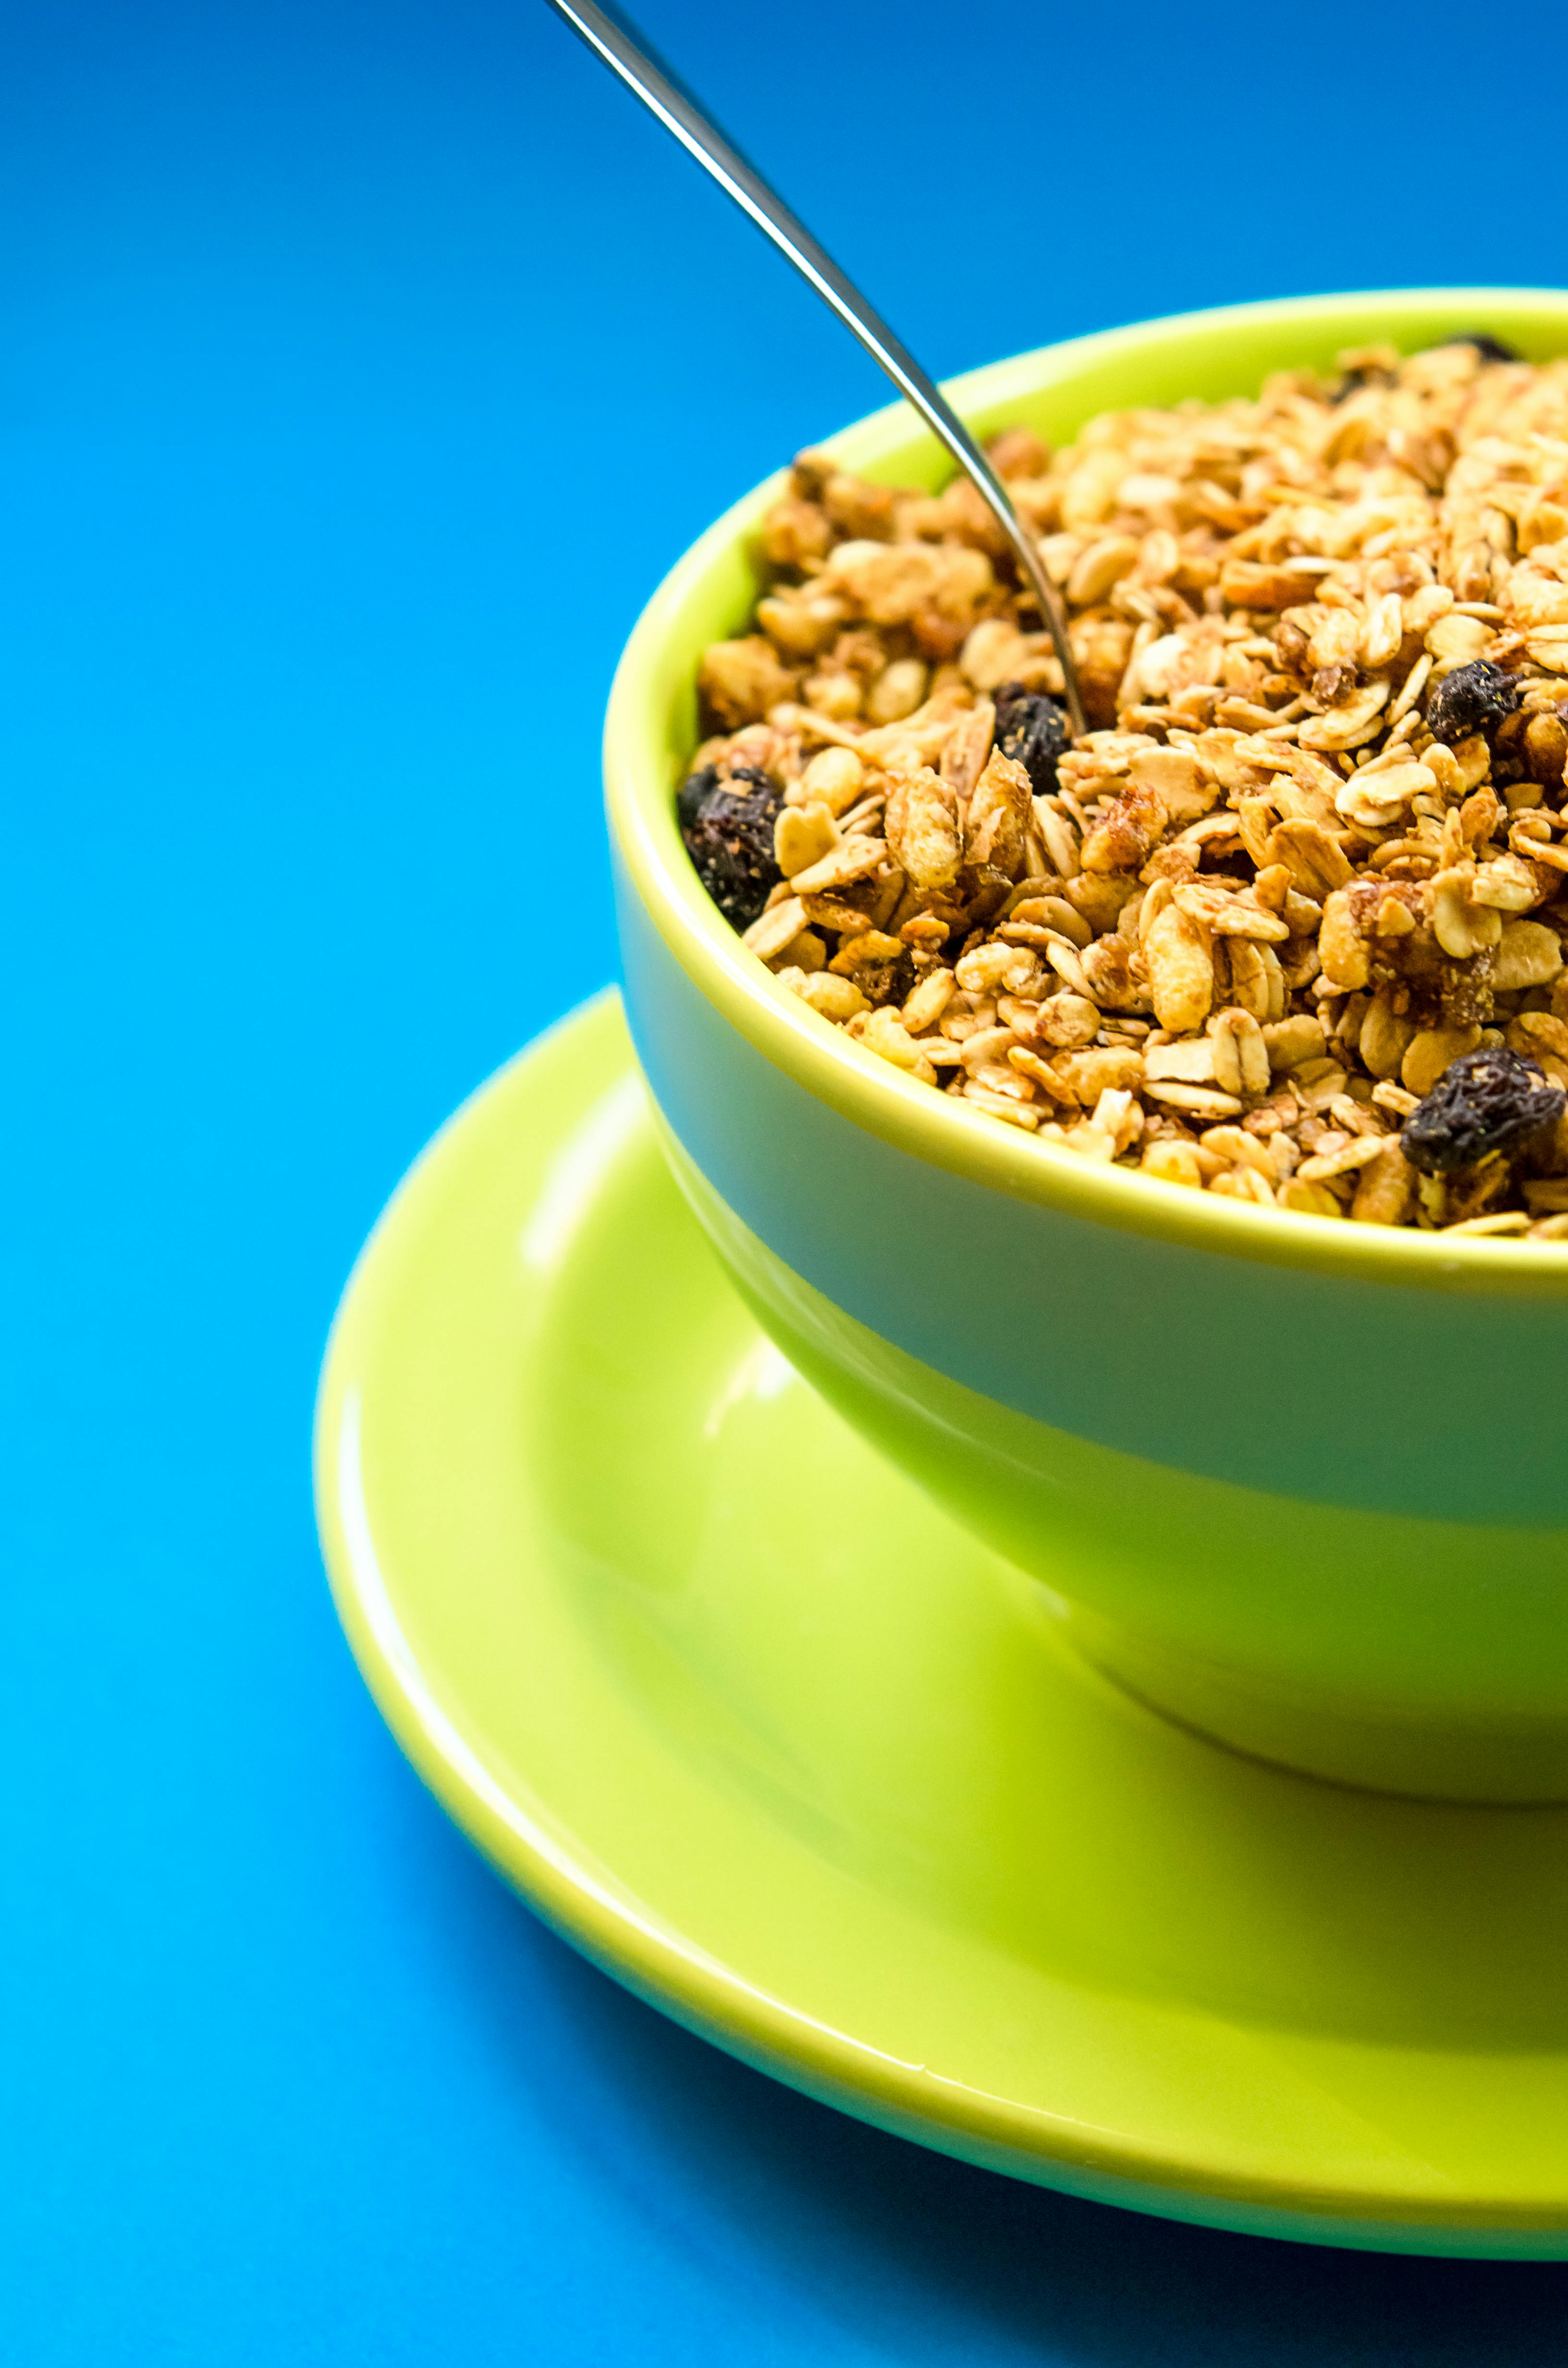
<point x="1033" y="730"/>
<point x="1486" y="1102"/>
<point x="1490" y="348"/>
<point x="729" y="836"/>
<point x="700" y="785"/>
<point x="1474" y="697"/>
<point x="691" y="793"/>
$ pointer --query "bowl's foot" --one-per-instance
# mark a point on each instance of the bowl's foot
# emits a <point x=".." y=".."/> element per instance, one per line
<point x="1522" y="1760"/>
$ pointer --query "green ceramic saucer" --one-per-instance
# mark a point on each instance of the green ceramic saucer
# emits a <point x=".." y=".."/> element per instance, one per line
<point x="770" y="1740"/>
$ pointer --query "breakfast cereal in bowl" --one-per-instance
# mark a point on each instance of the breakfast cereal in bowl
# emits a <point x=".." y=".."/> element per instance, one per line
<point x="1286" y="923"/>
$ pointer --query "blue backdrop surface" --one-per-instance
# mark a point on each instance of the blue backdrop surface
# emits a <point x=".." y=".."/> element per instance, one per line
<point x="362" y="368"/>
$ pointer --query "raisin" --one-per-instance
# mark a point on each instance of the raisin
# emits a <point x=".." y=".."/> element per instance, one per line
<point x="896" y="983"/>
<point x="1474" y="697"/>
<point x="692" y="793"/>
<point x="1354" y="380"/>
<point x="728" y="829"/>
<point x="1034" y="732"/>
<point x="700" y="785"/>
<point x="1490" y="348"/>
<point x="1485" y="1101"/>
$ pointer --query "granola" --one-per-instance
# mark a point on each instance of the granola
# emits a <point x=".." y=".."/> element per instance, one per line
<point x="1310" y="859"/>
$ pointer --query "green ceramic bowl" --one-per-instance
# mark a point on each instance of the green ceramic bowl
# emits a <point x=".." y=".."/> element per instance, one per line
<point x="1299" y="1483"/>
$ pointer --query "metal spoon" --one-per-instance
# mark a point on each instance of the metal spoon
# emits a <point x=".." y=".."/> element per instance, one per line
<point x="627" y="54"/>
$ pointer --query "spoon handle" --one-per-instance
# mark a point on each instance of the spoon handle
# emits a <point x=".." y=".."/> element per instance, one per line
<point x="678" y="111"/>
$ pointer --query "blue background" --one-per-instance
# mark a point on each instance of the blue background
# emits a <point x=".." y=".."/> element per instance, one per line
<point x="362" y="368"/>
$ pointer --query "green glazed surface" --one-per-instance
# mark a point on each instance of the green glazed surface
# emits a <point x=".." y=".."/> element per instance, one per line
<point x="795" y="1756"/>
<point x="1373" y="1587"/>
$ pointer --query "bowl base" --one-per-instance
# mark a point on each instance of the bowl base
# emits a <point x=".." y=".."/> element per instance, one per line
<point x="1083" y="1521"/>
<point x="1522" y="1761"/>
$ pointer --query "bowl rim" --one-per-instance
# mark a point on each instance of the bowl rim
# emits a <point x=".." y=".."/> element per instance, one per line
<point x="641" y="777"/>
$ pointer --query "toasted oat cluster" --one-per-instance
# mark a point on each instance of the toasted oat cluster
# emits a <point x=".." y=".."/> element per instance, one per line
<point x="1285" y="924"/>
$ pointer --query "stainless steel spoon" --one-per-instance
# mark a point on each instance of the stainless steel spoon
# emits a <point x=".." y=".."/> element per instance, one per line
<point x="627" y="54"/>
